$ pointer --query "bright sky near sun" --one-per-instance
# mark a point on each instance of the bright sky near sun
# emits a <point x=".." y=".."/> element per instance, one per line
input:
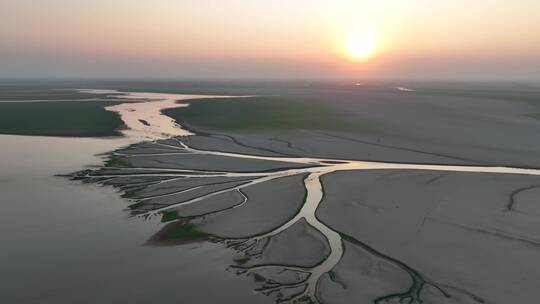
<point x="279" y="38"/>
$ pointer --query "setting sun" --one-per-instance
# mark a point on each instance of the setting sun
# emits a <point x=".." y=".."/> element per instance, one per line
<point x="360" y="46"/>
<point x="273" y="152"/>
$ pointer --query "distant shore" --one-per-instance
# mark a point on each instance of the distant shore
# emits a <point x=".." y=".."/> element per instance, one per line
<point x="59" y="118"/>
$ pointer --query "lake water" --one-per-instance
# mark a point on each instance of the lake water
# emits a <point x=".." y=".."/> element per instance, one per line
<point x="68" y="242"/>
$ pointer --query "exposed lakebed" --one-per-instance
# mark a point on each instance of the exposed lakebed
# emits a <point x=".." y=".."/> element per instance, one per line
<point x="331" y="230"/>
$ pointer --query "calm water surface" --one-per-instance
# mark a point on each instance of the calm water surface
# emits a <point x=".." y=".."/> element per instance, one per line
<point x="68" y="242"/>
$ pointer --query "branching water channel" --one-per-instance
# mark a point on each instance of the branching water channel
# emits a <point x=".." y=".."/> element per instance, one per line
<point x="194" y="188"/>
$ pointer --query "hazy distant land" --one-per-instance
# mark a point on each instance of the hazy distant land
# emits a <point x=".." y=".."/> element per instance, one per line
<point x="32" y="111"/>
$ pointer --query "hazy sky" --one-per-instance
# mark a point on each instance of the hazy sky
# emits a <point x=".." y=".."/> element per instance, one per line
<point x="422" y="39"/>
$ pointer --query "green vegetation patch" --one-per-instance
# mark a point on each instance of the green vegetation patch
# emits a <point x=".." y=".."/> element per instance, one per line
<point x="186" y="231"/>
<point x="64" y="118"/>
<point x="264" y="113"/>
<point x="169" y="216"/>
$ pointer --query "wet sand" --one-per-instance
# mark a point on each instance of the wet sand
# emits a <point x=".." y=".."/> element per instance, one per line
<point x="413" y="241"/>
<point x="393" y="126"/>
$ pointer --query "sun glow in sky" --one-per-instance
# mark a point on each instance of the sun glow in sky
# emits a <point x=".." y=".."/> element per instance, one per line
<point x="360" y="46"/>
<point x="412" y="39"/>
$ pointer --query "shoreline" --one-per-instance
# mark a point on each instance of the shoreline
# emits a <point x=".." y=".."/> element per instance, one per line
<point x="144" y="119"/>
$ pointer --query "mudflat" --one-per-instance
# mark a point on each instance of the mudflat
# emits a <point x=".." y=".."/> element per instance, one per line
<point x="425" y="125"/>
<point x="346" y="197"/>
